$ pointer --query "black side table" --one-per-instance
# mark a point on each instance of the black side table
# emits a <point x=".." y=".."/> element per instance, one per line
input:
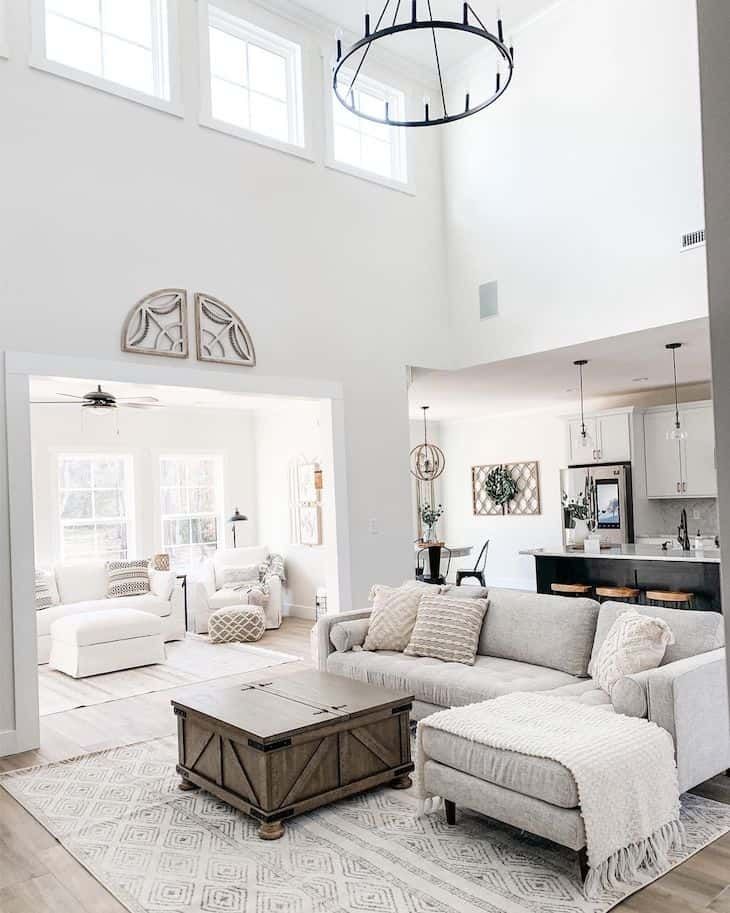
<point x="184" y="578"/>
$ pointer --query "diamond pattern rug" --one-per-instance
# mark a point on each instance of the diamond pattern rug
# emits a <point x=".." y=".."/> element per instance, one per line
<point x="158" y="850"/>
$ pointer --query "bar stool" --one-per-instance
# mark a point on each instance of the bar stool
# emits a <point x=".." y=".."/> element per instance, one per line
<point x="572" y="589"/>
<point x="621" y="593"/>
<point x="670" y="598"/>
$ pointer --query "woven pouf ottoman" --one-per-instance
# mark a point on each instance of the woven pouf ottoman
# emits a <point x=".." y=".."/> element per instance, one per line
<point x="236" y="624"/>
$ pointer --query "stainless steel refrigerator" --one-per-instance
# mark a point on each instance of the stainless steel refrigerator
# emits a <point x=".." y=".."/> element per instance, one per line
<point x="608" y="490"/>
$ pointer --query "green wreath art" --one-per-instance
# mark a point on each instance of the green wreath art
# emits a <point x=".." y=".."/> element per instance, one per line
<point x="500" y="487"/>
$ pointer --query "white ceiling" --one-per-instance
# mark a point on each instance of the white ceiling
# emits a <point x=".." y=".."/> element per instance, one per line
<point x="48" y="388"/>
<point x="419" y="47"/>
<point x="631" y="364"/>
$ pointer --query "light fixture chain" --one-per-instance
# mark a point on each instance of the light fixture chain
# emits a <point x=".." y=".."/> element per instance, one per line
<point x="397" y="10"/>
<point x="367" y="49"/>
<point x="438" y="61"/>
<point x="676" y="391"/>
<point x="471" y="10"/>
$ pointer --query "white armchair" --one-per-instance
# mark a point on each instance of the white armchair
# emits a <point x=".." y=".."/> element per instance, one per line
<point x="206" y="590"/>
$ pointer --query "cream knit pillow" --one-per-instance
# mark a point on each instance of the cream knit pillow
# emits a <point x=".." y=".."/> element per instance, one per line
<point x="634" y="643"/>
<point x="393" y="617"/>
<point x="448" y="628"/>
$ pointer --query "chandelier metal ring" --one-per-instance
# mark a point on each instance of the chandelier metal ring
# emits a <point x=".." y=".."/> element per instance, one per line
<point x="415" y="24"/>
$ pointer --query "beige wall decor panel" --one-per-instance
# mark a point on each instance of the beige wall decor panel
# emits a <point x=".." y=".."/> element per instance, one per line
<point x="525" y="503"/>
<point x="158" y="324"/>
<point x="221" y="334"/>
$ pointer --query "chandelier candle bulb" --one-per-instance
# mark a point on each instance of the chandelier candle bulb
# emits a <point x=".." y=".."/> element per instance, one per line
<point x="500" y="29"/>
<point x="466" y="14"/>
<point x="367" y="25"/>
<point x="426" y="106"/>
<point x="499" y="79"/>
<point x="466" y="101"/>
<point x="414" y="11"/>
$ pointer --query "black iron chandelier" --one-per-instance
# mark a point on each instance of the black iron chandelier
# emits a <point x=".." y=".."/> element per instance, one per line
<point x="470" y="24"/>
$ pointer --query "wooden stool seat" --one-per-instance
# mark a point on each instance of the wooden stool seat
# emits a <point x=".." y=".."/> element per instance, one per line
<point x="617" y="592"/>
<point x="571" y="589"/>
<point x="672" y="596"/>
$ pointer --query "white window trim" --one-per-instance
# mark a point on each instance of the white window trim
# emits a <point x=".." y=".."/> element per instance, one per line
<point x="232" y="24"/>
<point x="408" y="186"/>
<point x="59" y="453"/>
<point x="219" y="457"/>
<point x="39" y="61"/>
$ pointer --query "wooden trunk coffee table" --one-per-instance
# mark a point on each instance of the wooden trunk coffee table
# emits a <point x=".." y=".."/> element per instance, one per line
<point x="279" y="748"/>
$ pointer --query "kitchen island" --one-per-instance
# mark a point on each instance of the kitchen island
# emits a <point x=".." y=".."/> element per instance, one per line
<point x="639" y="566"/>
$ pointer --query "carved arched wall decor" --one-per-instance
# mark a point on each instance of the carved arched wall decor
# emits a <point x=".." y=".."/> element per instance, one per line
<point x="158" y="325"/>
<point x="221" y="334"/>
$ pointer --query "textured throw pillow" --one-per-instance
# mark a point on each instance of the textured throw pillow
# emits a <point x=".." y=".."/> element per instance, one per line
<point x="448" y="628"/>
<point x="634" y="643"/>
<point x="346" y="635"/>
<point x="392" y="618"/>
<point x="234" y="577"/>
<point x="46" y="592"/>
<point x="127" y="578"/>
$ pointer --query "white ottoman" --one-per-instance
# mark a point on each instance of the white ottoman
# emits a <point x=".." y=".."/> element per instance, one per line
<point x="106" y="641"/>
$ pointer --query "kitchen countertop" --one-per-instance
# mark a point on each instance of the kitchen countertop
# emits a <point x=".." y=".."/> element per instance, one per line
<point x="631" y="553"/>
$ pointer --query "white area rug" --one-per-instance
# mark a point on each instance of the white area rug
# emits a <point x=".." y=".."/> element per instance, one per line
<point x="192" y="660"/>
<point x="119" y="812"/>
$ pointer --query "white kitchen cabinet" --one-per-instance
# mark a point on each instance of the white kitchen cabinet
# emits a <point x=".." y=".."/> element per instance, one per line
<point x="680" y="469"/>
<point x="699" y="474"/>
<point x="610" y="439"/>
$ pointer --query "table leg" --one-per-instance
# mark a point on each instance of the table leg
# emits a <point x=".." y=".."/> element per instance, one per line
<point x="434" y="561"/>
<point x="186" y="785"/>
<point x="403" y="782"/>
<point x="272" y="830"/>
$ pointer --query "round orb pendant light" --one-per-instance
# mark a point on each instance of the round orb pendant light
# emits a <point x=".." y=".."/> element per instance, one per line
<point x="398" y="18"/>
<point x="676" y="432"/>
<point x="427" y="460"/>
<point x="585" y="441"/>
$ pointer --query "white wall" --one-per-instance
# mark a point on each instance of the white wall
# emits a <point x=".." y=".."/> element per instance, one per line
<point x="284" y="438"/>
<point x="504" y="439"/>
<point x="714" y="17"/>
<point x="337" y="278"/>
<point x="573" y="190"/>
<point x="145" y="436"/>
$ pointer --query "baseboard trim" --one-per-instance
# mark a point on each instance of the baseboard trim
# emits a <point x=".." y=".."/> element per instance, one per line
<point x="293" y="610"/>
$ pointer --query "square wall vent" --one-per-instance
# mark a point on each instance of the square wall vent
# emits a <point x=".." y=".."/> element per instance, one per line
<point x="488" y="300"/>
<point x="693" y="239"/>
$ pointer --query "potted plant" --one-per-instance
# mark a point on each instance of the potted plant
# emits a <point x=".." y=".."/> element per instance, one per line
<point x="430" y="516"/>
<point x="578" y="518"/>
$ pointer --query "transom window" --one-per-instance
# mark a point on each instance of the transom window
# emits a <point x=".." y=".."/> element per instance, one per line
<point x="120" y="41"/>
<point x="255" y="78"/>
<point x="190" y="506"/>
<point x="364" y="144"/>
<point x="95" y="498"/>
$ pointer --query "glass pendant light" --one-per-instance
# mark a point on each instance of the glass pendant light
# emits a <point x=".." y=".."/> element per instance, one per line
<point x="585" y="441"/>
<point x="676" y="432"/>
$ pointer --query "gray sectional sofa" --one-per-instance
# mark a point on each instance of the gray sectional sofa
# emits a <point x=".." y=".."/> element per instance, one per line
<point x="532" y="642"/>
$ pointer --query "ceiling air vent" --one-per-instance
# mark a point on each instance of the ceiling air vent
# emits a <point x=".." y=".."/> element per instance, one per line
<point x="693" y="239"/>
<point x="488" y="300"/>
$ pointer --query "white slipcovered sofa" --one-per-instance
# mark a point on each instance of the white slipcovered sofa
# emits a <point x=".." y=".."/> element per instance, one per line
<point x="207" y="593"/>
<point x="82" y="588"/>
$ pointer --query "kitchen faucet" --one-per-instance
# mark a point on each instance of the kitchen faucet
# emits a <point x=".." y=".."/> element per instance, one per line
<point x="683" y="534"/>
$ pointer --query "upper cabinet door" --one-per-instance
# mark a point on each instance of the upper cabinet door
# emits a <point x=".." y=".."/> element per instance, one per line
<point x="614" y="437"/>
<point x="580" y="455"/>
<point x="663" y="464"/>
<point x="699" y="475"/>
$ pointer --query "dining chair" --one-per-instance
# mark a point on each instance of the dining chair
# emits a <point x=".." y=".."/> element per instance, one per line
<point x="478" y="570"/>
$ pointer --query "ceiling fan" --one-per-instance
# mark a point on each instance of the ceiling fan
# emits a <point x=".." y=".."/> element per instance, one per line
<point x="102" y="401"/>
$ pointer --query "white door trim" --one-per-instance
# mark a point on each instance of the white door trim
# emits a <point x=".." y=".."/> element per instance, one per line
<point x="19" y="368"/>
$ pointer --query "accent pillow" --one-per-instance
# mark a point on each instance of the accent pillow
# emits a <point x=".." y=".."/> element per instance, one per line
<point x="409" y="584"/>
<point x="393" y="616"/>
<point x="448" y="628"/>
<point x="127" y="578"/>
<point x="46" y="591"/>
<point x="635" y="643"/>
<point x="236" y="576"/>
<point x="346" y="635"/>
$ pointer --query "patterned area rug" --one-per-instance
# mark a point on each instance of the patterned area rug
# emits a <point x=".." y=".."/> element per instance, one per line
<point x="159" y="850"/>
<point x="189" y="661"/>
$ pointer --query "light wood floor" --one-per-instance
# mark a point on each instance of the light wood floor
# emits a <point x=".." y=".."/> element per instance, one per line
<point x="38" y="876"/>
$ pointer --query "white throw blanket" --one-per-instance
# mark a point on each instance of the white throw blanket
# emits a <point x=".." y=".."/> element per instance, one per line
<point x="623" y="766"/>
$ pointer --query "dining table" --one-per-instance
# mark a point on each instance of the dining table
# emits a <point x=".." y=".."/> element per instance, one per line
<point x="435" y="553"/>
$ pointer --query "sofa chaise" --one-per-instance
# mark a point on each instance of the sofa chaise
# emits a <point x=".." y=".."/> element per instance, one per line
<point x="82" y="588"/>
<point x="532" y="642"/>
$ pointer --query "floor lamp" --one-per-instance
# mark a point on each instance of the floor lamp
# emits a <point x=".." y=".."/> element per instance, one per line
<point x="236" y="518"/>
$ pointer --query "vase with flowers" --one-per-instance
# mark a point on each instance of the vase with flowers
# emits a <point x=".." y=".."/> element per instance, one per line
<point x="430" y="516"/>
<point x="579" y="518"/>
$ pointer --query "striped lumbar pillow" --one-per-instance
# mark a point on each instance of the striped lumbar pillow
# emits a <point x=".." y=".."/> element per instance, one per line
<point x="448" y="628"/>
<point x="127" y="578"/>
<point x="46" y="592"/>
